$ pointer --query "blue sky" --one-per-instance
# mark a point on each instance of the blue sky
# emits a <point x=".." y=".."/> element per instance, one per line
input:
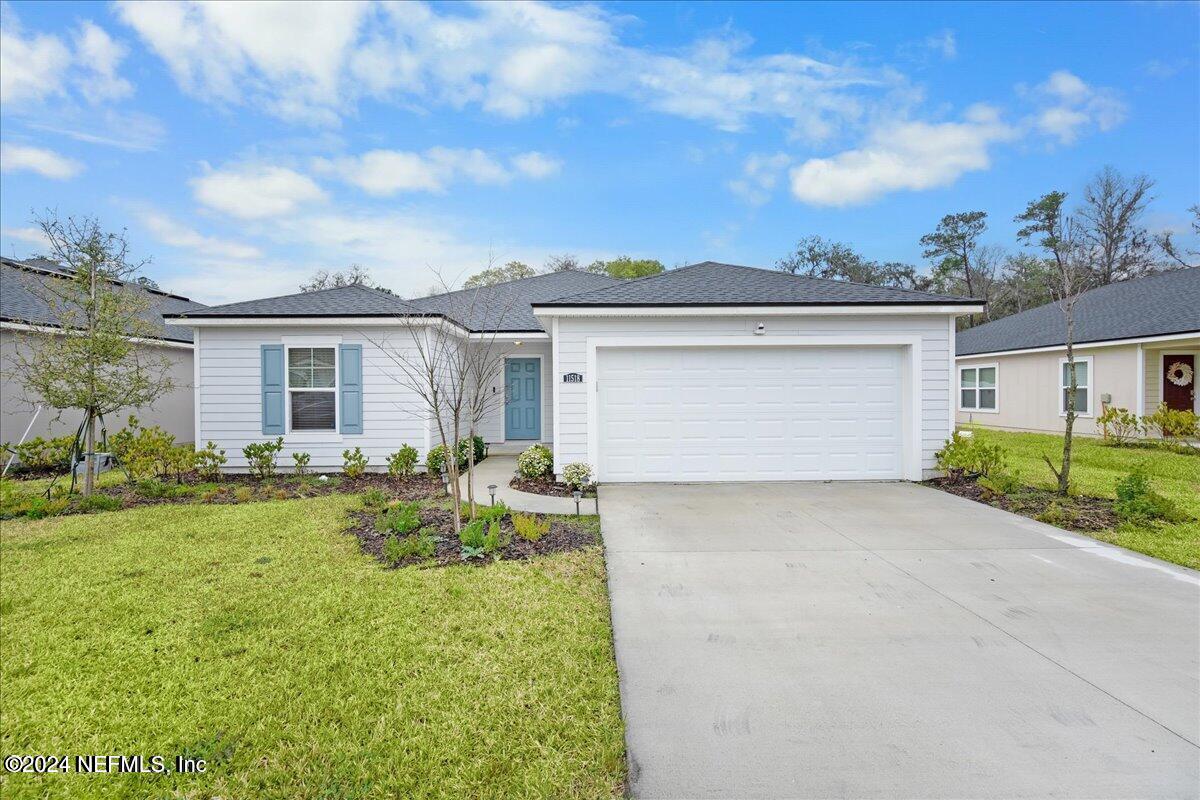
<point x="245" y="146"/>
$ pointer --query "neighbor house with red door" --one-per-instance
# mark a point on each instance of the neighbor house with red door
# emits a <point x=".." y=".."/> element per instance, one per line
<point x="1137" y="344"/>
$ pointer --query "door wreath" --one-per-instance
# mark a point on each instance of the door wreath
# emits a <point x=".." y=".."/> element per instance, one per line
<point x="1180" y="374"/>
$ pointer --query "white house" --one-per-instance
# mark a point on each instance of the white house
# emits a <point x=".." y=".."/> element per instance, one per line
<point x="710" y="372"/>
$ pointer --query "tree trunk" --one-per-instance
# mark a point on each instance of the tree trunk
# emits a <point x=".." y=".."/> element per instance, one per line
<point x="89" y="461"/>
<point x="1064" y="475"/>
<point x="471" y="470"/>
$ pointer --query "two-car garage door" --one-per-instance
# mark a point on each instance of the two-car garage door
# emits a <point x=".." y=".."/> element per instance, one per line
<point x="749" y="413"/>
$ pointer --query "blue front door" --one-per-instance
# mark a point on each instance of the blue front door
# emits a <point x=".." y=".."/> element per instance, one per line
<point x="523" y="398"/>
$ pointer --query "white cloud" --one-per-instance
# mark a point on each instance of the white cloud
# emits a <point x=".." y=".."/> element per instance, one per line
<point x="944" y="43"/>
<point x="100" y="56"/>
<point x="256" y="191"/>
<point x="29" y="235"/>
<point x="387" y="172"/>
<point x="537" y="165"/>
<point x="31" y="67"/>
<point x="315" y="62"/>
<point x="1067" y="107"/>
<point x="904" y="156"/>
<point x="175" y="234"/>
<point x="47" y="163"/>
<point x="760" y="174"/>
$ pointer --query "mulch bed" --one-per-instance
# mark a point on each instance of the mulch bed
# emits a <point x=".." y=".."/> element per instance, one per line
<point x="562" y="537"/>
<point x="546" y="485"/>
<point x="1077" y="513"/>
<point x="246" y="488"/>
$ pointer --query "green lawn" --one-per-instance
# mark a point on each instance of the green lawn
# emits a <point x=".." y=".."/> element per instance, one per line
<point x="1095" y="469"/>
<point x="258" y="637"/>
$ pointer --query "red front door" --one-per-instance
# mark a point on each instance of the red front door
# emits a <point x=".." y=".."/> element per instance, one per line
<point x="1179" y="381"/>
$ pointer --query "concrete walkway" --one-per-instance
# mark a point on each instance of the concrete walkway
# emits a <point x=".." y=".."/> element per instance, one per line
<point x="500" y="470"/>
<point x="889" y="640"/>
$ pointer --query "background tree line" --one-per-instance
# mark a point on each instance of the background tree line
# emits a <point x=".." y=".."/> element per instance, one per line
<point x="1111" y="240"/>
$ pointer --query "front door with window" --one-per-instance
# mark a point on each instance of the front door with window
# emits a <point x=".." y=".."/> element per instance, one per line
<point x="523" y="398"/>
<point x="1179" y="381"/>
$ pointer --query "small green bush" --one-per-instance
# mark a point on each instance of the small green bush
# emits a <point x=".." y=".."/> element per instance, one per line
<point x="435" y="459"/>
<point x="40" y="507"/>
<point x="422" y="544"/>
<point x="209" y="461"/>
<point x="529" y="527"/>
<point x="1001" y="482"/>
<point x="968" y="455"/>
<point x="403" y="462"/>
<point x="261" y="457"/>
<point x="301" y="460"/>
<point x="577" y="475"/>
<point x="1056" y="514"/>
<point x="354" y="463"/>
<point x="1171" y="423"/>
<point x="535" y="461"/>
<point x="38" y="454"/>
<point x="1138" y="503"/>
<point x="148" y="452"/>
<point x="472" y="535"/>
<point x="401" y="518"/>
<point x="488" y="514"/>
<point x="1119" y="425"/>
<point x="495" y="539"/>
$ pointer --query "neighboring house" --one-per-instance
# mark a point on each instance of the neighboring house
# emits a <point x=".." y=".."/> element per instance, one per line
<point x="709" y="372"/>
<point x="1137" y="344"/>
<point x="24" y="315"/>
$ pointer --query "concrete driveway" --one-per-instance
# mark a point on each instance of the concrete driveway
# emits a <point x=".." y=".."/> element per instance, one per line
<point x="890" y="640"/>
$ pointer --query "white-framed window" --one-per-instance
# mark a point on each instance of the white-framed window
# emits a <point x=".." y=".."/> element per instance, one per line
<point x="312" y="388"/>
<point x="978" y="388"/>
<point x="1083" y="386"/>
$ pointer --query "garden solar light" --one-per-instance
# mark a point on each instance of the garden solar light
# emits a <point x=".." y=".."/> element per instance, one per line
<point x="578" y="495"/>
<point x="492" y="492"/>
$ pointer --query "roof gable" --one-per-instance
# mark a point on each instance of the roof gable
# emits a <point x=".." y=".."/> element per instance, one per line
<point x="508" y="306"/>
<point x="341" y="301"/>
<point x="712" y="284"/>
<point x="1157" y="305"/>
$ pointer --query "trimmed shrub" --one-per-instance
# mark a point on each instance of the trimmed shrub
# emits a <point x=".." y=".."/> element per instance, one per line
<point x="435" y="459"/>
<point x="968" y="456"/>
<point x="374" y="498"/>
<point x="38" y="454"/>
<point x="1119" y="425"/>
<point x="208" y="462"/>
<point x="147" y="452"/>
<point x="301" y="460"/>
<point x="535" y="461"/>
<point x="262" y="455"/>
<point x="401" y="518"/>
<point x="1171" y="423"/>
<point x="354" y="463"/>
<point x="403" y="462"/>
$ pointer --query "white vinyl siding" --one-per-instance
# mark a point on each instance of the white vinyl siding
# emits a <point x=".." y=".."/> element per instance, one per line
<point x="573" y="333"/>
<point x="491" y="428"/>
<point x="230" y="401"/>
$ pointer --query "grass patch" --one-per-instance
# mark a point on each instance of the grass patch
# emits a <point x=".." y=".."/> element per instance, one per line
<point x="1095" y="469"/>
<point x="258" y="637"/>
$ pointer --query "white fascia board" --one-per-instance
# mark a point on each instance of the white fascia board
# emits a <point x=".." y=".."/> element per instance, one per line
<point x="54" y="331"/>
<point x="317" y="322"/>
<point x="506" y="336"/>
<point x="749" y="311"/>
<point x="1167" y="337"/>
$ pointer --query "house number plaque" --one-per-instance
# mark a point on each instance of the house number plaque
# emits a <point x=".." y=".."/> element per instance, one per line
<point x="572" y="377"/>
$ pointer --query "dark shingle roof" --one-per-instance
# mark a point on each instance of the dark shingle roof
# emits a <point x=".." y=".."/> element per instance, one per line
<point x="20" y="301"/>
<point x="1165" y="303"/>
<point x="713" y="284"/>
<point x="508" y="306"/>
<point x="343" y="301"/>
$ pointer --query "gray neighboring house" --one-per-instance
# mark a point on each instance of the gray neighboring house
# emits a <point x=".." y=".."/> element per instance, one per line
<point x="23" y="315"/>
<point x="1137" y="345"/>
<point x="710" y="372"/>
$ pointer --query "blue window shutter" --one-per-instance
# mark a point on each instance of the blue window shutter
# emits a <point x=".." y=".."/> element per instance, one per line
<point x="351" y="388"/>
<point x="272" y="389"/>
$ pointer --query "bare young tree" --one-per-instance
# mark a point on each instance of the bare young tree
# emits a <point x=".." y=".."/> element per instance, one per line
<point x="566" y="262"/>
<point x="1047" y="226"/>
<point x="1109" y="222"/>
<point x="98" y="363"/>
<point x="820" y="258"/>
<point x="987" y="278"/>
<point x="452" y="371"/>
<point x="353" y="275"/>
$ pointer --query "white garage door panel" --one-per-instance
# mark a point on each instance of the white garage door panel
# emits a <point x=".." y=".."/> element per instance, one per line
<point x="749" y="413"/>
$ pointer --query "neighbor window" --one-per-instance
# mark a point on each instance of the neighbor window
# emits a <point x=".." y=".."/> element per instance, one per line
<point x="312" y="388"/>
<point x="977" y="388"/>
<point x="1083" y="386"/>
